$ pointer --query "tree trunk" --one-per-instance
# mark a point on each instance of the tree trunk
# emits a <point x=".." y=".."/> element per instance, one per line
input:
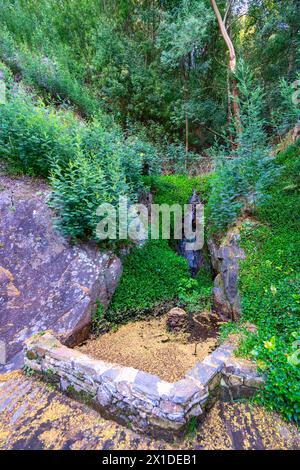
<point x="186" y="134"/>
<point x="186" y="98"/>
<point x="232" y="67"/>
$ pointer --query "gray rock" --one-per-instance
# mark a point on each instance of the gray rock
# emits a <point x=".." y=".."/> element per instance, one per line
<point x="103" y="396"/>
<point x="177" y="319"/>
<point x="203" y="373"/>
<point x="147" y="385"/>
<point x="183" y="391"/>
<point x="225" y="260"/>
<point x="45" y="283"/>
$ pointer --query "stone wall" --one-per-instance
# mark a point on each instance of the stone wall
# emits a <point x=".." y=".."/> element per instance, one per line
<point x="138" y="399"/>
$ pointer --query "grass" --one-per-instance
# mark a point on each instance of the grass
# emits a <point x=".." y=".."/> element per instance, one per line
<point x="177" y="189"/>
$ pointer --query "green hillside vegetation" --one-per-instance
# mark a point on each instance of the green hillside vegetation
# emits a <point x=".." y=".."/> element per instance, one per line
<point x="115" y="98"/>
<point x="270" y="287"/>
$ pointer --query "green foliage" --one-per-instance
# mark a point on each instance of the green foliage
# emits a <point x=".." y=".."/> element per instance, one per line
<point x="244" y="173"/>
<point x="31" y="137"/>
<point x="97" y="318"/>
<point x="271" y="45"/>
<point x="153" y="62"/>
<point x="115" y="59"/>
<point x="270" y="286"/>
<point x="288" y="113"/>
<point x="6" y="76"/>
<point x="99" y="314"/>
<point x="195" y="295"/>
<point x="177" y="189"/>
<point x="104" y="167"/>
<point x="80" y="187"/>
<point x="87" y="164"/>
<point x="182" y="31"/>
<point x="51" y="78"/>
<point x="28" y="371"/>
<point x="192" y="427"/>
<point x="152" y="276"/>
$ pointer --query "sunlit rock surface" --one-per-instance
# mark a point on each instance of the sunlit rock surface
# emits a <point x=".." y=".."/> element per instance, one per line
<point x="45" y="283"/>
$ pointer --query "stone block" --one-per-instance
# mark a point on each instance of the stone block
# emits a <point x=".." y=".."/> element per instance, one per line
<point x="169" y="407"/>
<point x="215" y="382"/>
<point x="202" y="373"/>
<point x="147" y="385"/>
<point x="256" y="381"/>
<point x="164" y="389"/>
<point x="235" y="380"/>
<point x="194" y="412"/>
<point x="126" y="374"/>
<point x="104" y="396"/>
<point x="183" y="391"/>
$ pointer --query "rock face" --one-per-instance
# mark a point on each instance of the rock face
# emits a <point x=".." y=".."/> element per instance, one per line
<point x="177" y="320"/>
<point x="45" y="283"/>
<point x="195" y="258"/>
<point x="225" y="259"/>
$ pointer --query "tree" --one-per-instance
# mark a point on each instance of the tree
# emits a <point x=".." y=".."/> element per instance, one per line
<point x="233" y="89"/>
<point x="182" y="39"/>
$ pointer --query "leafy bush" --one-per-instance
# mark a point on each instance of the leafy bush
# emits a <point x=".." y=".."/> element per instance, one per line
<point x="80" y="187"/>
<point x="104" y="168"/>
<point x="31" y="137"/>
<point x="288" y="113"/>
<point x="103" y="144"/>
<point x="195" y="295"/>
<point x="7" y="77"/>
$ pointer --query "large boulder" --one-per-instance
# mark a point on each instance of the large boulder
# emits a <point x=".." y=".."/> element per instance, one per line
<point x="45" y="283"/>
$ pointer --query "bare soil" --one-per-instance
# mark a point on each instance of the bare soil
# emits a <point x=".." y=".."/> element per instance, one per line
<point x="147" y="345"/>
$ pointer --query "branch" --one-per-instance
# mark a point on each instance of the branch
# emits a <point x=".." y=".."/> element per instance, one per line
<point x="215" y="133"/>
<point x="227" y="12"/>
<point x="224" y="34"/>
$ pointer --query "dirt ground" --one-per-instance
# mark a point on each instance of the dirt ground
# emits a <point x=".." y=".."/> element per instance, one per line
<point x="148" y="346"/>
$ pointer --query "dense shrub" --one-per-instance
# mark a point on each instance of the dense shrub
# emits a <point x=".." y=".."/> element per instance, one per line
<point x="32" y="137"/>
<point x="106" y="145"/>
<point x="195" y="295"/>
<point x="105" y="167"/>
<point x="80" y="187"/>
<point x="246" y="171"/>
